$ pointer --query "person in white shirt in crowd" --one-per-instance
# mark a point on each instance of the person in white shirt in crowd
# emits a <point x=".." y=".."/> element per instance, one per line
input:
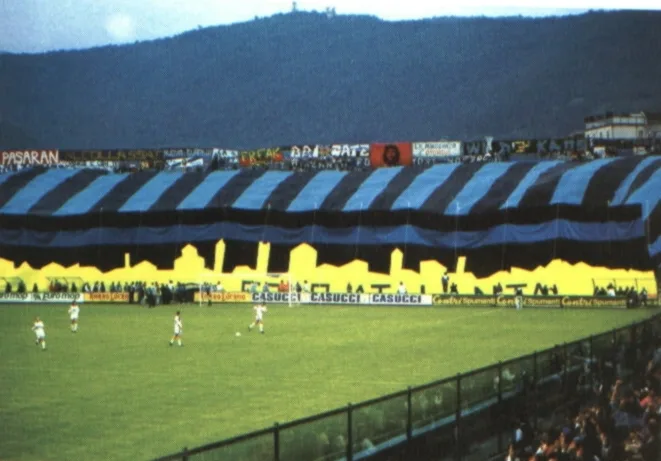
<point x="401" y="289"/>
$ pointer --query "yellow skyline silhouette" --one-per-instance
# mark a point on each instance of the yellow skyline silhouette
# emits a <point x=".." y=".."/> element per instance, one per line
<point x="571" y="279"/>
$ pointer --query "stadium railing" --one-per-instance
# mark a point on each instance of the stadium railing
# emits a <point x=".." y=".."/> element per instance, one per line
<point x="448" y="417"/>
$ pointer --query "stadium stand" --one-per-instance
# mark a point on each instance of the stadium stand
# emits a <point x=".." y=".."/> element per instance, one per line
<point x="616" y="413"/>
<point x="504" y="207"/>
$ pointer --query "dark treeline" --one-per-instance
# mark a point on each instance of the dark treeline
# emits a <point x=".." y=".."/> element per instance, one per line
<point x="306" y="78"/>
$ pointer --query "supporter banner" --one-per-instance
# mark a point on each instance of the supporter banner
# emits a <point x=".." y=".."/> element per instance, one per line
<point x="530" y="301"/>
<point x="183" y="159"/>
<point x="475" y="148"/>
<point x="261" y="156"/>
<point x="29" y="157"/>
<point x="524" y="146"/>
<point x="150" y="156"/>
<point x="107" y="297"/>
<point x="308" y="151"/>
<point x="350" y="150"/>
<point x="225" y="153"/>
<point x="545" y="146"/>
<point x="431" y="161"/>
<point x="41" y="297"/>
<point x="437" y="149"/>
<point x="224" y="157"/>
<point x="396" y="154"/>
<point x="223" y="297"/>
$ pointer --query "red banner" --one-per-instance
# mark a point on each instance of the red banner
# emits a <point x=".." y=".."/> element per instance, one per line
<point x="395" y="154"/>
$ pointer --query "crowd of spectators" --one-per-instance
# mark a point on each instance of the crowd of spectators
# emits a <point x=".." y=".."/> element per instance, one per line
<point x="617" y="416"/>
<point x="634" y="297"/>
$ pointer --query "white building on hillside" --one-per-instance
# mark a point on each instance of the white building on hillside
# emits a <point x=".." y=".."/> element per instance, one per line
<point x="623" y="126"/>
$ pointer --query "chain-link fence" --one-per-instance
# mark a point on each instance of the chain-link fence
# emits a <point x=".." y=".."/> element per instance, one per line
<point x="460" y="412"/>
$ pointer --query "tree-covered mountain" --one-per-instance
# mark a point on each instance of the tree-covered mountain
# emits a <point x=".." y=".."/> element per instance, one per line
<point x="308" y="78"/>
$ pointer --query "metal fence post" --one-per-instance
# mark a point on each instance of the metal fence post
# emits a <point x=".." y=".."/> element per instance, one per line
<point x="591" y="360"/>
<point x="535" y="379"/>
<point x="613" y="353"/>
<point x="457" y="453"/>
<point x="500" y="406"/>
<point x="409" y="416"/>
<point x="349" y="432"/>
<point x="565" y="368"/>
<point x="276" y="442"/>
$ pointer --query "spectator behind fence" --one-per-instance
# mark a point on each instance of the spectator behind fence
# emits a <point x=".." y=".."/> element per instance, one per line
<point x="619" y="418"/>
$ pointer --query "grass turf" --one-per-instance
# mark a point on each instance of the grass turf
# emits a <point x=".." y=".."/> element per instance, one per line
<point x="115" y="390"/>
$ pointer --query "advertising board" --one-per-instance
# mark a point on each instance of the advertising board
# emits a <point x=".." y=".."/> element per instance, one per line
<point x="106" y="297"/>
<point x="65" y="298"/>
<point x="529" y="301"/>
<point x="223" y="297"/>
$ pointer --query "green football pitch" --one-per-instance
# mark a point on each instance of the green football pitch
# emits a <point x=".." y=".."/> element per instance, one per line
<point x="116" y="390"/>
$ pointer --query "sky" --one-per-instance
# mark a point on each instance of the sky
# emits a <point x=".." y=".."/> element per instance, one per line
<point x="35" y="26"/>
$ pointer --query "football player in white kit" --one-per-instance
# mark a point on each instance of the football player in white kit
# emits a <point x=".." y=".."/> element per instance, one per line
<point x="178" y="329"/>
<point x="259" y="309"/>
<point x="40" y="331"/>
<point x="74" y="310"/>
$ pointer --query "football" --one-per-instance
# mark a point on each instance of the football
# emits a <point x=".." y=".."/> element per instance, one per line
<point x="238" y="334"/>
